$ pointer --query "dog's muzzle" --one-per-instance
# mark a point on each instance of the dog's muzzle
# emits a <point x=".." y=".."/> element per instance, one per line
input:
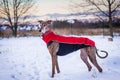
<point x="40" y="30"/>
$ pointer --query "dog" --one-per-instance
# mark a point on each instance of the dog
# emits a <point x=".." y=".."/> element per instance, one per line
<point x="56" y="47"/>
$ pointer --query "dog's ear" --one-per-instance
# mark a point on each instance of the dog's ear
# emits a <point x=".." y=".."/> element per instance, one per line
<point x="41" y="23"/>
<point x="48" y="22"/>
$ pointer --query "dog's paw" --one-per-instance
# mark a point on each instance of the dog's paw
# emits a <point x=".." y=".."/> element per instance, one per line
<point x="89" y="68"/>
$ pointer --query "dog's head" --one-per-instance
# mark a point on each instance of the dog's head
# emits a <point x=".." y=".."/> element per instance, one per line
<point x="44" y="26"/>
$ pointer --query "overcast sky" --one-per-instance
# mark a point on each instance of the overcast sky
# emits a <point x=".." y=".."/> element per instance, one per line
<point x="52" y="6"/>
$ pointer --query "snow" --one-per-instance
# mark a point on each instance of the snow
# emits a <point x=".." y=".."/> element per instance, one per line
<point x="27" y="58"/>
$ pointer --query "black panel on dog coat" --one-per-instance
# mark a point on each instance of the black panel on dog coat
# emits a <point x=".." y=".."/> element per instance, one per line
<point x="65" y="48"/>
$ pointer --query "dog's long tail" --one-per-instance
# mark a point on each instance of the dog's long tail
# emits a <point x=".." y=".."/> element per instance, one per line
<point x="102" y="57"/>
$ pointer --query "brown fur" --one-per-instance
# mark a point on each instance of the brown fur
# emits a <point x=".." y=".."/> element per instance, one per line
<point x="85" y="53"/>
<point x="89" y="52"/>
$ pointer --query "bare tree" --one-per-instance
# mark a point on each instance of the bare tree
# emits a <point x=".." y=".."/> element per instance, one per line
<point x="108" y="7"/>
<point x="12" y="10"/>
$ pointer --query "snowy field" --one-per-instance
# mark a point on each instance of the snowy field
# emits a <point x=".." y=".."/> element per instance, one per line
<point x="27" y="58"/>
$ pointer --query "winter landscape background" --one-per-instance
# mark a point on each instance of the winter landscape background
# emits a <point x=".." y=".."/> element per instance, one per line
<point x="23" y="54"/>
<point x="27" y="58"/>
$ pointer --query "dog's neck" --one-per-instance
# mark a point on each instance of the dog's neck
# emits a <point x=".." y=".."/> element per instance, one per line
<point x="46" y="32"/>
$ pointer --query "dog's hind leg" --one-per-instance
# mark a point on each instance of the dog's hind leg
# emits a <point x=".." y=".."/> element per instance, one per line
<point x="83" y="56"/>
<point x="92" y="57"/>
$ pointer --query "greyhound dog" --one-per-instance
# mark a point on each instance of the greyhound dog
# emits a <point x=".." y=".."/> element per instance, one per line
<point x="86" y="51"/>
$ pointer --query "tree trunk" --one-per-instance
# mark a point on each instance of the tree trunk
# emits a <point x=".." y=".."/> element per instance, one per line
<point x="110" y="18"/>
<point x="111" y="29"/>
<point x="110" y="26"/>
<point x="15" y="30"/>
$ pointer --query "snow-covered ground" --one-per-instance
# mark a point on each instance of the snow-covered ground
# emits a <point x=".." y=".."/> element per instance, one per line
<point x="27" y="58"/>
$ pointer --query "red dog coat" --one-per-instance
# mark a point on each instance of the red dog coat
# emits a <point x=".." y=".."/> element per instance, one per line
<point x="50" y="36"/>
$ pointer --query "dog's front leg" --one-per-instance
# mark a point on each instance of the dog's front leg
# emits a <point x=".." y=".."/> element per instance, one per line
<point x="53" y="65"/>
<point x="57" y="66"/>
<point x="53" y="48"/>
<point x="50" y="48"/>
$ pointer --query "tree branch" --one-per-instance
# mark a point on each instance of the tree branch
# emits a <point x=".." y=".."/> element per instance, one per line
<point x="93" y="3"/>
